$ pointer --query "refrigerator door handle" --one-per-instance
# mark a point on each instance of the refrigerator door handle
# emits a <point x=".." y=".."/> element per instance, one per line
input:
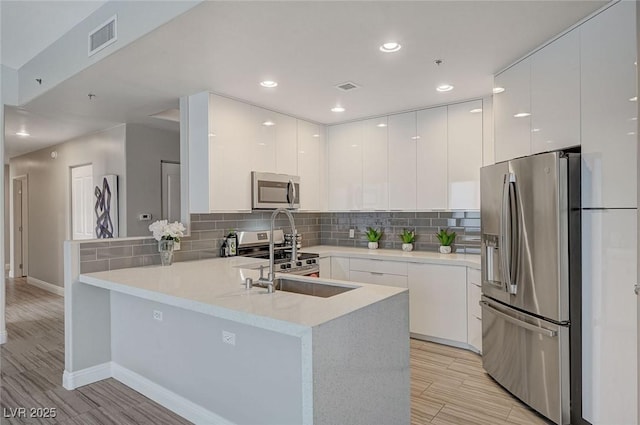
<point x="518" y="322"/>
<point x="506" y="233"/>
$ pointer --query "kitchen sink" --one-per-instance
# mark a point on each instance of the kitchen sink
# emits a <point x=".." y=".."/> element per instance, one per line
<point x="304" y="287"/>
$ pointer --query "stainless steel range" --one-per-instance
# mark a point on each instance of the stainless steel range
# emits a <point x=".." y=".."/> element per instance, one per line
<point x="256" y="245"/>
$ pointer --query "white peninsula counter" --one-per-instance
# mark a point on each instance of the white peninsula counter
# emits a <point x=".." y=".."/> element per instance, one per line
<point x="191" y="337"/>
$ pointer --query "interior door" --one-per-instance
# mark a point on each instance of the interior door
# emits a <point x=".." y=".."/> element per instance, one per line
<point x="18" y="230"/>
<point x="170" y="190"/>
<point x="82" y="221"/>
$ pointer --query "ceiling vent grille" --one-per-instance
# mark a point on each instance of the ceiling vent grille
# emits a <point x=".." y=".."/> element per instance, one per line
<point x="348" y="86"/>
<point x="103" y="36"/>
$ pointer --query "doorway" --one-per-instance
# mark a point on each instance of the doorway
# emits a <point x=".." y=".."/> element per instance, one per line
<point x="170" y="190"/>
<point x="20" y="230"/>
<point x="82" y="225"/>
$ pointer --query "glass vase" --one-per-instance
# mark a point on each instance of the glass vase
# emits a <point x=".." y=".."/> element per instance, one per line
<point x="165" y="247"/>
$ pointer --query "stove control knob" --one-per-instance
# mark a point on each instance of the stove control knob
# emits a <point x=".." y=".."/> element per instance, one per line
<point x="311" y="261"/>
<point x="283" y="266"/>
<point x="288" y="265"/>
<point x="298" y="263"/>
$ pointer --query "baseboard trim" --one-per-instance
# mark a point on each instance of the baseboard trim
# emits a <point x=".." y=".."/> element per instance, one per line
<point x="49" y="287"/>
<point x="172" y="401"/>
<point x="444" y="341"/>
<point x="3" y="337"/>
<point x="80" y="378"/>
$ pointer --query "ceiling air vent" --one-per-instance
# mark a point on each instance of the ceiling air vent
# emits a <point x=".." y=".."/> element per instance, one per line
<point x="103" y="36"/>
<point x="348" y="86"/>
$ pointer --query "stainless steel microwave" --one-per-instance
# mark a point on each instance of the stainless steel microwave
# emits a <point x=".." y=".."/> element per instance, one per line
<point x="270" y="191"/>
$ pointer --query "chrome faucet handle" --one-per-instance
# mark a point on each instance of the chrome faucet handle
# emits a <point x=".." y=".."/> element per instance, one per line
<point x="248" y="283"/>
<point x="270" y="287"/>
<point x="261" y="272"/>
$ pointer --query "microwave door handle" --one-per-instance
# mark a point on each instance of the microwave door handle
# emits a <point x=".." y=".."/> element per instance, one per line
<point x="289" y="199"/>
<point x="295" y="194"/>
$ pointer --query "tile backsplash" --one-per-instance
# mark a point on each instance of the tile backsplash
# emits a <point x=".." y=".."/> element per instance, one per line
<point x="208" y="232"/>
<point x="335" y="228"/>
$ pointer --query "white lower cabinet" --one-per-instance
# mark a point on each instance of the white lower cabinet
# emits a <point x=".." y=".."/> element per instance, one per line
<point x="325" y="267"/>
<point x="340" y="268"/>
<point x="378" y="272"/>
<point x="438" y="301"/>
<point x="609" y="316"/>
<point x="474" y="312"/>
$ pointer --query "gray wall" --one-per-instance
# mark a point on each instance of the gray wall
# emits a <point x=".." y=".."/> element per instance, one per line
<point x="145" y="149"/>
<point x="6" y="213"/>
<point x="50" y="193"/>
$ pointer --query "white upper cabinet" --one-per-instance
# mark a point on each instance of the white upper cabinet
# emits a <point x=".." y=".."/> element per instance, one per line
<point x="609" y="108"/>
<point x="555" y="95"/>
<point x="232" y="138"/>
<point x="264" y="144"/>
<point x="286" y="144"/>
<point x="465" y="155"/>
<point x="512" y="109"/>
<point x="402" y="161"/>
<point x="375" y="186"/>
<point x="488" y="152"/>
<point x="345" y="166"/>
<point x="432" y="159"/>
<point x="311" y="162"/>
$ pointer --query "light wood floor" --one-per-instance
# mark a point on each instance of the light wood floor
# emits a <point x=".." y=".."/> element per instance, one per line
<point x="448" y="385"/>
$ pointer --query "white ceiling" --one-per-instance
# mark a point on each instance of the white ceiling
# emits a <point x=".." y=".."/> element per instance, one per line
<point x="28" y="27"/>
<point x="308" y="47"/>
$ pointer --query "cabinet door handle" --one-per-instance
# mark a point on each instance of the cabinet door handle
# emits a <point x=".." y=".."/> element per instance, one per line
<point x="377" y="273"/>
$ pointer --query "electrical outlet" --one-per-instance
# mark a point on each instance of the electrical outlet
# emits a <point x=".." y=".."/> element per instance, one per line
<point x="229" y="338"/>
<point x="352" y="233"/>
<point x="157" y="315"/>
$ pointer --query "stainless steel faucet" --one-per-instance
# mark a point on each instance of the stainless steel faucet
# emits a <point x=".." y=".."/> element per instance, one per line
<point x="268" y="281"/>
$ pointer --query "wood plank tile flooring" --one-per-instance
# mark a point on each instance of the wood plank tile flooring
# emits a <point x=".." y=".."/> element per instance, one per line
<point x="448" y="385"/>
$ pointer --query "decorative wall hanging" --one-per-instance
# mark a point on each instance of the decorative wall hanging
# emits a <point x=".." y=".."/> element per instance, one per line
<point x="106" y="207"/>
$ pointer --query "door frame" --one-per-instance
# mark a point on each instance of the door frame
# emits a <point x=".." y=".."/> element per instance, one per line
<point x="162" y="162"/>
<point x="24" y="178"/>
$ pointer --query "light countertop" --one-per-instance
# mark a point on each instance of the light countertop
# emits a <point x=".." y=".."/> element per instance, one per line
<point x="216" y="287"/>
<point x="469" y="260"/>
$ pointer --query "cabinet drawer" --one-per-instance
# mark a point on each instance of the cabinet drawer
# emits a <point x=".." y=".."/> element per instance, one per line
<point x="378" y="278"/>
<point x="473" y="301"/>
<point x="378" y="266"/>
<point x="474" y="276"/>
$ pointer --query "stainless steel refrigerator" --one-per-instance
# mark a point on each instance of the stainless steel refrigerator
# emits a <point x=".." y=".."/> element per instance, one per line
<point x="530" y="223"/>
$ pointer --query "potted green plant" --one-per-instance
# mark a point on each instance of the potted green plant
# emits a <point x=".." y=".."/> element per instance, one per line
<point x="446" y="239"/>
<point x="408" y="238"/>
<point x="373" y="235"/>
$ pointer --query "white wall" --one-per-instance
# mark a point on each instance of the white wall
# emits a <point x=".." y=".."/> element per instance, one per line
<point x="145" y="148"/>
<point x="49" y="197"/>
<point x="6" y="213"/>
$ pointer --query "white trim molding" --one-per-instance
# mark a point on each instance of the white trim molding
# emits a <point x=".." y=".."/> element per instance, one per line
<point x="3" y="336"/>
<point x="166" y="398"/>
<point x="49" y="287"/>
<point x="73" y="380"/>
<point x="172" y="401"/>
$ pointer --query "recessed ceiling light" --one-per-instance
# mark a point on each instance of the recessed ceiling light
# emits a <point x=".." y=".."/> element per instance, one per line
<point x="262" y="144"/>
<point x="354" y="146"/>
<point x="522" y="115"/>
<point x="268" y="123"/>
<point x="633" y="99"/>
<point x="390" y="47"/>
<point x="22" y="133"/>
<point x="444" y="87"/>
<point x="631" y="133"/>
<point x="476" y="110"/>
<point x="268" y="84"/>
<point x="315" y="135"/>
<point x="415" y="138"/>
<point x="337" y="109"/>
<point x="634" y="119"/>
<point x="212" y="135"/>
<point x="381" y="125"/>
<point x="497" y="90"/>
<point x="535" y="130"/>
